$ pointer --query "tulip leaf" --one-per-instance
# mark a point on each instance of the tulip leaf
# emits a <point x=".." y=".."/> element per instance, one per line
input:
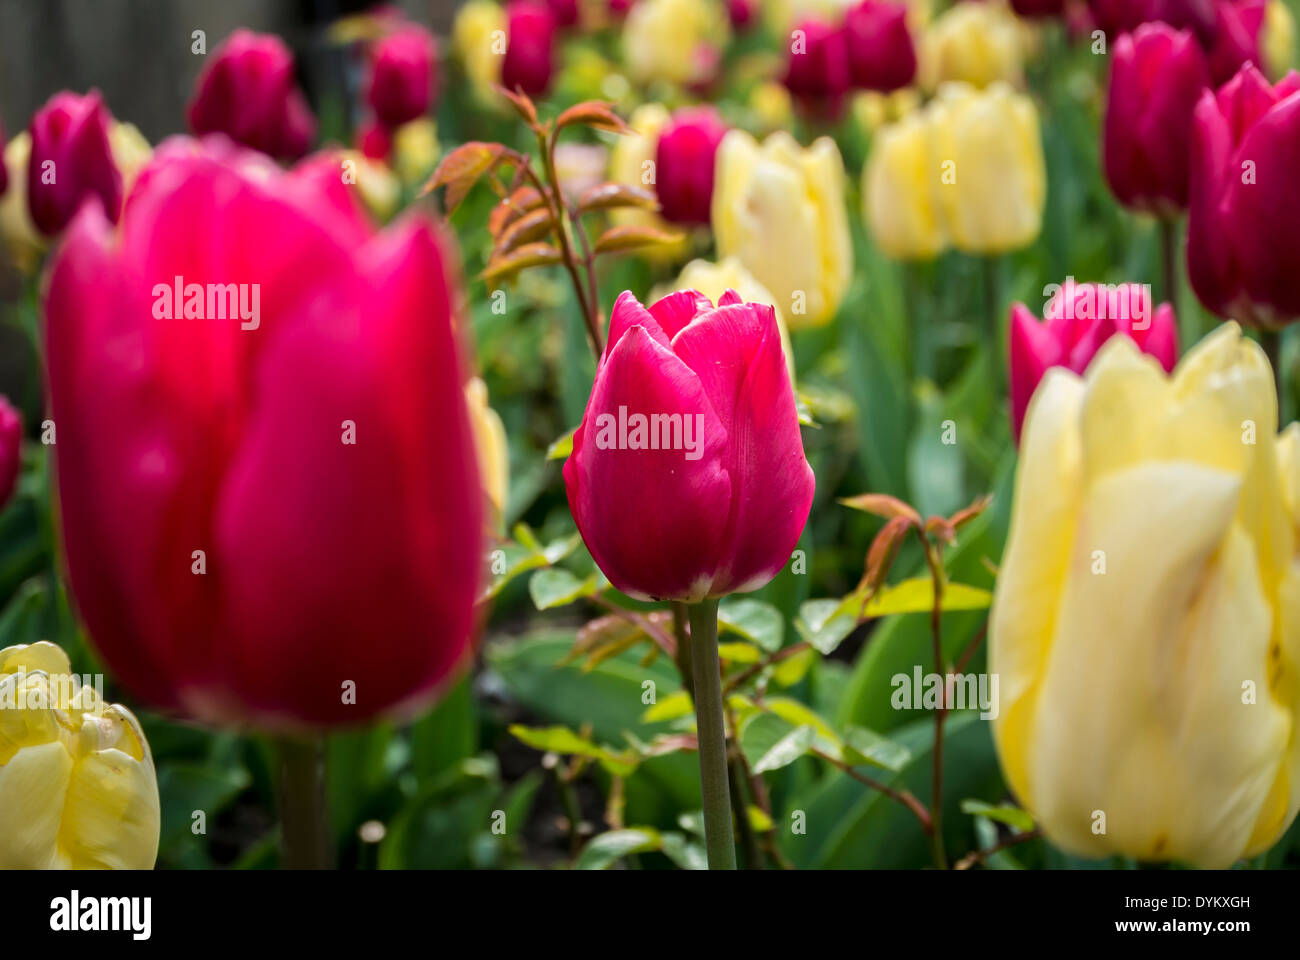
<point x="555" y="587"/>
<point x="760" y="623"/>
<point x="633" y="236"/>
<point x="1014" y="817"/>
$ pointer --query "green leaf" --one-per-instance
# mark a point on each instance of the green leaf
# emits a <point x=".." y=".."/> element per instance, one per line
<point x="863" y="746"/>
<point x="683" y="852"/>
<point x="745" y="653"/>
<point x="1014" y="817"/>
<point x="562" y="740"/>
<point x="606" y="849"/>
<point x="760" y="623"/>
<point x="554" y="587"/>
<point x="562" y="447"/>
<point x="513" y="559"/>
<point x="786" y="750"/>
<point x="671" y="707"/>
<point x="824" y="625"/>
<point x="793" y="669"/>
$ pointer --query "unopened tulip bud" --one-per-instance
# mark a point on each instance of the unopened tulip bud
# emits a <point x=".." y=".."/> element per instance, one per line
<point x="975" y="43"/>
<point x="880" y="49"/>
<point x="11" y="443"/>
<point x="817" y="66"/>
<point x="403" y="75"/>
<point x="684" y="162"/>
<point x="71" y="160"/>
<point x="530" y="40"/>
<point x="77" y="781"/>
<point x="490" y="445"/>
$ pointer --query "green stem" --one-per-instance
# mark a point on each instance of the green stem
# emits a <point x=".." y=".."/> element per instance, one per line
<point x="304" y="824"/>
<point x="712" y="735"/>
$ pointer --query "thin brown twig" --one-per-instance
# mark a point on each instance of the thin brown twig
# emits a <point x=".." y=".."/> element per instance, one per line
<point x="661" y="639"/>
<point x="979" y="856"/>
<point x="905" y="797"/>
<point x="745" y="675"/>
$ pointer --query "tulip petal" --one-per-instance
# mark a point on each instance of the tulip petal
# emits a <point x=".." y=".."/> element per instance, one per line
<point x="32" y="787"/>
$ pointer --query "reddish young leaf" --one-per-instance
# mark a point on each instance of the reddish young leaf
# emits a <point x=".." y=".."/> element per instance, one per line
<point x="605" y="196"/>
<point x="461" y="169"/>
<point x="970" y="513"/>
<point x="882" y="505"/>
<point x="880" y="557"/>
<point x="522" y="103"/>
<point x="531" y="226"/>
<point x="503" y="268"/>
<point x="595" y="114"/>
<point x="632" y="237"/>
<point x="521" y="201"/>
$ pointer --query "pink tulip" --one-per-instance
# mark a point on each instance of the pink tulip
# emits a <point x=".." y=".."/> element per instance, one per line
<point x="1242" y="257"/>
<point x="529" y="60"/>
<point x="4" y="172"/>
<point x="403" y="75"/>
<point x="247" y="91"/>
<point x="1123" y="16"/>
<point x="1157" y="76"/>
<point x="817" y="71"/>
<point x="743" y="14"/>
<point x="268" y="491"/>
<point x="688" y="478"/>
<point x="1080" y="319"/>
<point x="880" y="49"/>
<point x="375" y="140"/>
<point x="1236" y="38"/>
<point x="565" y="13"/>
<point x="11" y="440"/>
<point x="1038" y="8"/>
<point x="71" y="160"/>
<point x="684" y="159"/>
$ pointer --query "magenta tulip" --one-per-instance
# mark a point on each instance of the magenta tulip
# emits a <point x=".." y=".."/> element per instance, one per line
<point x="880" y="50"/>
<point x="688" y="478"/>
<point x="4" y="172"/>
<point x="247" y="91"/>
<point x="1124" y="16"/>
<point x="1080" y="318"/>
<point x="1157" y="76"/>
<point x="71" y="160"/>
<point x="1236" y="38"/>
<point x="817" y="71"/>
<point x="11" y="441"/>
<point x="529" y="60"/>
<point x="1038" y="8"/>
<point x="1242" y="257"/>
<point x="565" y="13"/>
<point x="743" y="14"/>
<point x="266" y="473"/>
<point x="403" y="75"/>
<point x="684" y="159"/>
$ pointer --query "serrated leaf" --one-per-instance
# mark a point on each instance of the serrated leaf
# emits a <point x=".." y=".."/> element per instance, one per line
<point x="532" y="225"/>
<point x="822" y="624"/>
<point x="1013" y="817"/>
<point x="520" y="201"/>
<point x="684" y="853"/>
<point x="502" y="268"/>
<point x="677" y="704"/>
<point x="917" y="596"/>
<point x="607" y="196"/>
<point x="632" y="236"/>
<point x="862" y="746"/>
<point x="792" y="669"/>
<point x="758" y="622"/>
<point x="522" y="103"/>
<point x="608" y="848"/>
<point x="461" y="169"/>
<point x="554" y="587"/>
<point x="596" y="114"/>
<point x="759" y="821"/>
<point x="528" y="554"/>
<point x="562" y="740"/>
<point x="739" y="653"/>
<point x="562" y="447"/>
<point x="786" y="750"/>
<point x="882" y="505"/>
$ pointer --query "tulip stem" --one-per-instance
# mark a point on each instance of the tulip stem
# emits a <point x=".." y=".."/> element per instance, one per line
<point x="304" y="823"/>
<point x="712" y="735"/>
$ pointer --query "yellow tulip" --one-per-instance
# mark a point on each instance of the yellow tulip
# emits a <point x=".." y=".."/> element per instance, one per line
<point x="977" y="43"/>
<point x="715" y="279"/>
<point x="22" y="241"/>
<point x="131" y="151"/>
<point x="1146" y="624"/>
<point x="77" y="782"/>
<point x="674" y="41"/>
<point x="992" y="176"/>
<point x="416" y="150"/>
<point x="900" y="190"/>
<point x="1277" y="40"/>
<point x="490" y="445"/>
<point x="779" y="209"/>
<point x="478" y="35"/>
<point x="772" y="106"/>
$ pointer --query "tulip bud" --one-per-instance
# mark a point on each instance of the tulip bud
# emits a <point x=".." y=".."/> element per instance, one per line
<point x="564" y="12"/>
<point x="11" y="449"/>
<point x="1145" y="623"/>
<point x="1080" y="320"/>
<point x="817" y="69"/>
<point x="71" y="160"/>
<point x="77" y="780"/>
<point x="977" y="43"/>
<point x="1156" y="77"/>
<point x="995" y="189"/>
<point x="779" y="209"/>
<point x="4" y="172"/>
<point x="632" y="161"/>
<point x="472" y="37"/>
<point x="880" y="49"/>
<point x="675" y="41"/>
<point x="900" y="190"/>
<point x="22" y="241"/>
<point x="490" y="445"/>
<point x="1039" y="8"/>
<point x="247" y="91"/>
<point x="684" y="161"/>
<point x="276" y="520"/>
<point x="743" y="14"/>
<point x="687" y="478"/>
<point x="1241" y="256"/>
<point x="415" y="150"/>
<point x="1236" y="38"/>
<point x="528" y="62"/>
<point x="403" y="75"/>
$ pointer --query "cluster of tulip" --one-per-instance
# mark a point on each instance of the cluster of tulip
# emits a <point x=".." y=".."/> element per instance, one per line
<point x="312" y="496"/>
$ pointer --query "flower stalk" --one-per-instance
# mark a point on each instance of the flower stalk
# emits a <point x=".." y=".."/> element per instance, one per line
<point x="712" y="734"/>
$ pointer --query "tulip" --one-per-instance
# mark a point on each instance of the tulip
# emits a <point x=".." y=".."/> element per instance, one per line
<point x="900" y="190"/>
<point x="976" y="43"/>
<point x="415" y="150"/>
<point x="4" y="172"/>
<point x="1157" y="76"/>
<point x="22" y="241"/>
<point x="817" y="71"/>
<point x="77" y="781"/>
<point x="1081" y="319"/>
<point x="674" y="41"/>
<point x="684" y="161"/>
<point x="71" y="160"/>
<point x="632" y="161"/>
<point x="11" y="448"/>
<point x="267" y="484"/>
<point x="528" y="63"/>
<point x="880" y="49"/>
<point x="489" y="445"/>
<point x="1241" y="255"/>
<point x="718" y="505"/>
<point x="1039" y="8"/>
<point x="247" y="91"/>
<point x="564" y="12"/>
<point x="1238" y="26"/>
<point x="1277" y="38"/>
<point x="375" y="140"/>
<point x="1147" y="609"/>
<point x="403" y="75"/>
<point x="779" y="209"/>
<point x="713" y="280"/>
<point x="772" y="106"/>
<point x="994" y="203"/>
<point x="743" y="14"/>
<point x="473" y="34"/>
